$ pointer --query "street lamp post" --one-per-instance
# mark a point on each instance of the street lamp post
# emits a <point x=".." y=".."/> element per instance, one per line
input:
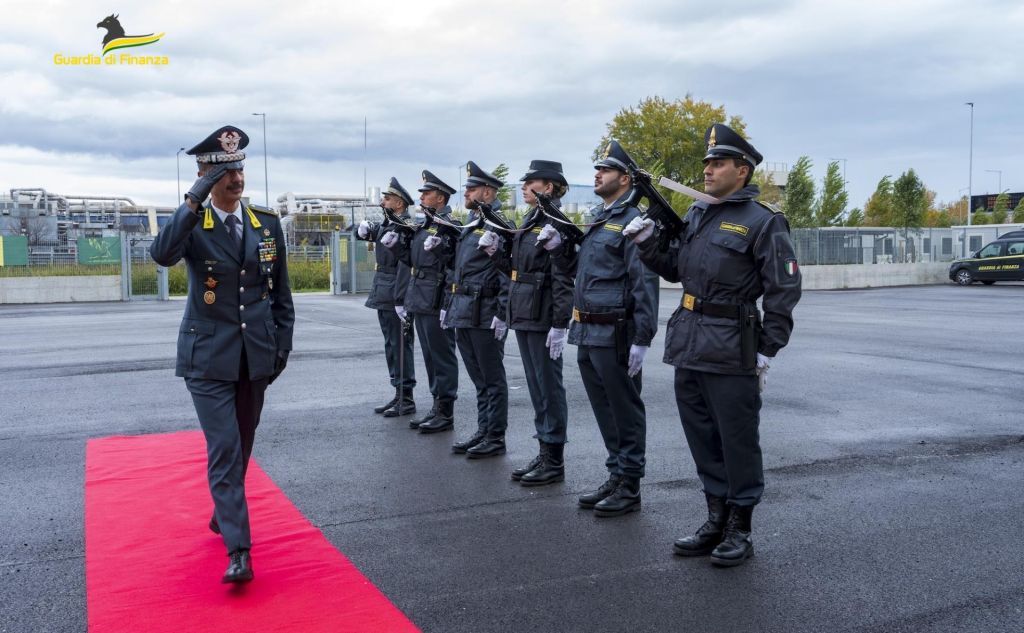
<point x="970" y="171"/>
<point x="999" y="189"/>
<point x="266" y="179"/>
<point x="177" y="164"/>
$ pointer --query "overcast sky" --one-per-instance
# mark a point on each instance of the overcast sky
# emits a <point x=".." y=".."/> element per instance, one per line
<point x="879" y="83"/>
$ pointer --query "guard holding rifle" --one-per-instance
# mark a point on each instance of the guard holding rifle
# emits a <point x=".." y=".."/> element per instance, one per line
<point x="733" y="252"/>
<point x="425" y="296"/>
<point x="540" y="303"/>
<point x="387" y="296"/>
<point x="476" y="308"/>
<point x="614" y="318"/>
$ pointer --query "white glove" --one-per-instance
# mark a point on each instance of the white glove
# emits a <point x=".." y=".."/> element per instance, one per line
<point x="401" y="312"/>
<point x="444" y="326"/>
<point x="639" y="229"/>
<point x="390" y="239"/>
<point x="363" y="230"/>
<point x="490" y="242"/>
<point x="549" y="238"/>
<point x="499" y="327"/>
<point x="762" y="371"/>
<point x="556" y="341"/>
<point x="636" y="359"/>
<point x="431" y="243"/>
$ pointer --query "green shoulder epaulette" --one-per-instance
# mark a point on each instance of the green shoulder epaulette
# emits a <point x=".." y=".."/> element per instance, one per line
<point x="769" y="207"/>
<point x="258" y="209"/>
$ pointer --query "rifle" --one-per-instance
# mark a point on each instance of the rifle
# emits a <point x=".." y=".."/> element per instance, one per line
<point x="568" y="228"/>
<point x="393" y="221"/>
<point x="667" y="222"/>
<point x="444" y="227"/>
<point x="493" y="218"/>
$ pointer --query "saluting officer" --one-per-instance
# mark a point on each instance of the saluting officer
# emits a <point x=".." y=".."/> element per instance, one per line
<point x="387" y="296"/>
<point x="424" y="299"/>
<point x="236" y="333"/>
<point x="732" y="253"/>
<point x="540" y="302"/>
<point x="476" y="308"/>
<point x="614" y="318"/>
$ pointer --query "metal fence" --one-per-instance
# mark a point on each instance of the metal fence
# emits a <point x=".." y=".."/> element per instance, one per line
<point x="887" y="245"/>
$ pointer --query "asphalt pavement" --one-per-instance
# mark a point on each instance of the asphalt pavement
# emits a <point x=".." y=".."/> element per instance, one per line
<point x="893" y="438"/>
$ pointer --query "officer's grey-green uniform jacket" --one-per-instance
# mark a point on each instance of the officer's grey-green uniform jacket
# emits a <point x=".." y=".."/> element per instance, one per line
<point x="609" y="277"/>
<point x="477" y="291"/>
<point x="540" y="296"/>
<point x="233" y="300"/>
<point x="427" y="287"/>
<point x="740" y="250"/>
<point x="391" y="276"/>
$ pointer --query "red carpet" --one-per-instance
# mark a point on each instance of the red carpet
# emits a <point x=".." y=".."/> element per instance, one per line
<point x="152" y="565"/>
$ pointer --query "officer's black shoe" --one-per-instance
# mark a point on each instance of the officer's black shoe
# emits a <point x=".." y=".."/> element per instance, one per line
<point x="709" y="535"/>
<point x="214" y="526"/>
<point x="415" y="424"/>
<point x="589" y="500"/>
<point x="390" y="403"/>
<point x="468" y="443"/>
<point x="551" y="468"/>
<point x="736" y="547"/>
<point x="491" y="446"/>
<point x="518" y="473"/>
<point x="239" y="567"/>
<point x="405" y="405"/>
<point x="443" y="420"/>
<point x="624" y="500"/>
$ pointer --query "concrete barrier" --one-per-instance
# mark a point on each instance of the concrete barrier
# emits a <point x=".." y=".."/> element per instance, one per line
<point x="868" y="276"/>
<point x="60" y="289"/>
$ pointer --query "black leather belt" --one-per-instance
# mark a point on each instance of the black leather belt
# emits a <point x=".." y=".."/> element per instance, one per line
<point x="724" y="310"/>
<point x="534" y="279"/>
<point x="474" y="290"/>
<point x="385" y="269"/>
<point x="597" y="318"/>
<point x="424" y="274"/>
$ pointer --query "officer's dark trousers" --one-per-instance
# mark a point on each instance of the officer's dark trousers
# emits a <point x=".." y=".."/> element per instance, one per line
<point x="438" y="347"/>
<point x="544" y="379"/>
<point x="620" y="412"/>
<point x="229" y="413"/>
<point x="721" y="415"/>
<point x="391" y="326"/>
<point x="484" y="358"/>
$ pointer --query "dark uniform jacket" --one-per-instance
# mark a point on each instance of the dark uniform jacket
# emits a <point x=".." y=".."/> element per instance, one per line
<point x="234" y="300"/>
<point x="426" y="289"/>
<point x="391" y="276"/>
<point x="540" y="296"/>
<point x="738" y="251"/>
<point x="610" y="278"/>
<point x="477" y="292"/>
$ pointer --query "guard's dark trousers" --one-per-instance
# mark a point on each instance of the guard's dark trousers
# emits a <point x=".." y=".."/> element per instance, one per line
<point x="547" y="392"/>
<point x="484" y="357"/>
<point x="721" y="415"/>
<point x="438" y="347"/>
<point x="391" y="327"/>
<point x="620" y="412"/>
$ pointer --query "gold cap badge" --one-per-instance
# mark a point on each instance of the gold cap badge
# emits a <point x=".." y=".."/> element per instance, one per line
<point x="711" y="139"/>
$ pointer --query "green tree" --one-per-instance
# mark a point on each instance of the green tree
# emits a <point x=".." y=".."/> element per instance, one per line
<point x="854" y="218"/>
<point x="1018" y="211"/>
<point x="831" y="206"/>
<point x="505" y="193"/>
<point x="879" y="209"/>
<point x="799" y="200"/>
<point x="670" y="133"/>
<point x="1001" y="211"/>
<point x="981" y="217"/>
<point x="770" y="192"/>
<point x="910" y="201"/>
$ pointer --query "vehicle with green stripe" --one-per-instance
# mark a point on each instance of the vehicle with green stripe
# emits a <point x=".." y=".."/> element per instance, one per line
<point x="1001" y="260"/>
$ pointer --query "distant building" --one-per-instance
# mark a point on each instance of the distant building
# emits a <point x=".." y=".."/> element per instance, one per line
<point x="987" y="201"/>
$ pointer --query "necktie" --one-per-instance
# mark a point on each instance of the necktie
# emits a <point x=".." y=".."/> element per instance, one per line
<point x="234" y="230"/>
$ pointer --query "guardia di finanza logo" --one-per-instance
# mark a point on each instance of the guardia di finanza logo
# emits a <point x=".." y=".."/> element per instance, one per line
<point x="116" y="39"/>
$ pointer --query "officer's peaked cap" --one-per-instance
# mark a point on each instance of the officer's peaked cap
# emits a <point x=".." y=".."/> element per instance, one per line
<point x="724" y="142"/>
<point x="614" y="157"/>
<point x="477" y="177"/>
<point x="545" y="170"/>
<point x="223" y="146"/>
<point x="395" y="189"/>
<point x="433" y="183"/>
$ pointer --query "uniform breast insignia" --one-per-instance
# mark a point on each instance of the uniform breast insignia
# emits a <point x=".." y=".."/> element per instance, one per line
<point x="536" y="229"/>
<point x="478" y="232"/>
<point x="266" y="232"/>
<point x="210" y="283"/>
<point x="209" y="297"/>
<point x="735" y="228"/>
<point x="432" y="231"/>
<point x="268" y="250"/>
<point x="615" y="228"/>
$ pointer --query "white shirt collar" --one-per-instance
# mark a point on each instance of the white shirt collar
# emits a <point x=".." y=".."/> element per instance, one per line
<point x="223" y="215"/>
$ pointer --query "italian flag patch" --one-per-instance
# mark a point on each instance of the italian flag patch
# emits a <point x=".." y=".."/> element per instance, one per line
<point x="791" y="267"/>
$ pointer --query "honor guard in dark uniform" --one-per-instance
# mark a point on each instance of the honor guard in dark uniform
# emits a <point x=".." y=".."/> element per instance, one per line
<point x="236" y="333"/>
<point x="731" y="254"/>
<point x="539" y="306"/>
<point x="477" y="305"/>
<point x="614" y="318"/>
<point x="387" y="296"/>
<point x="424" y="299"/>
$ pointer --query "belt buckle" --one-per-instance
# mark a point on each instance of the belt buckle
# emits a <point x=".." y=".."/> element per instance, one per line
<point x="515" y="275"/>
<point x="376" y="267"/>
<point x="453" y="288"/>
<point x="576" y="315"/>
<point x="688" y="301"/>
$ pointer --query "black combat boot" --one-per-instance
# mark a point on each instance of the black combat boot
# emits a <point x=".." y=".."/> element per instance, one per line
<point x="415" y="424"/>
<point x="589" y="500"/>
<point x="709" y="535"/>
<point x="736" y="546"/>
<point x="239" y="567"/>
<point x="405" y="405"/>
<point x="443" y="420"/>
<point x="551" y="468"/>
<point x="390" y="403"/>
<point x="490" y="446"/>
<point x="518" y="473"/>
<point x="469" y="442"/>
<point x="625" y="499"/>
